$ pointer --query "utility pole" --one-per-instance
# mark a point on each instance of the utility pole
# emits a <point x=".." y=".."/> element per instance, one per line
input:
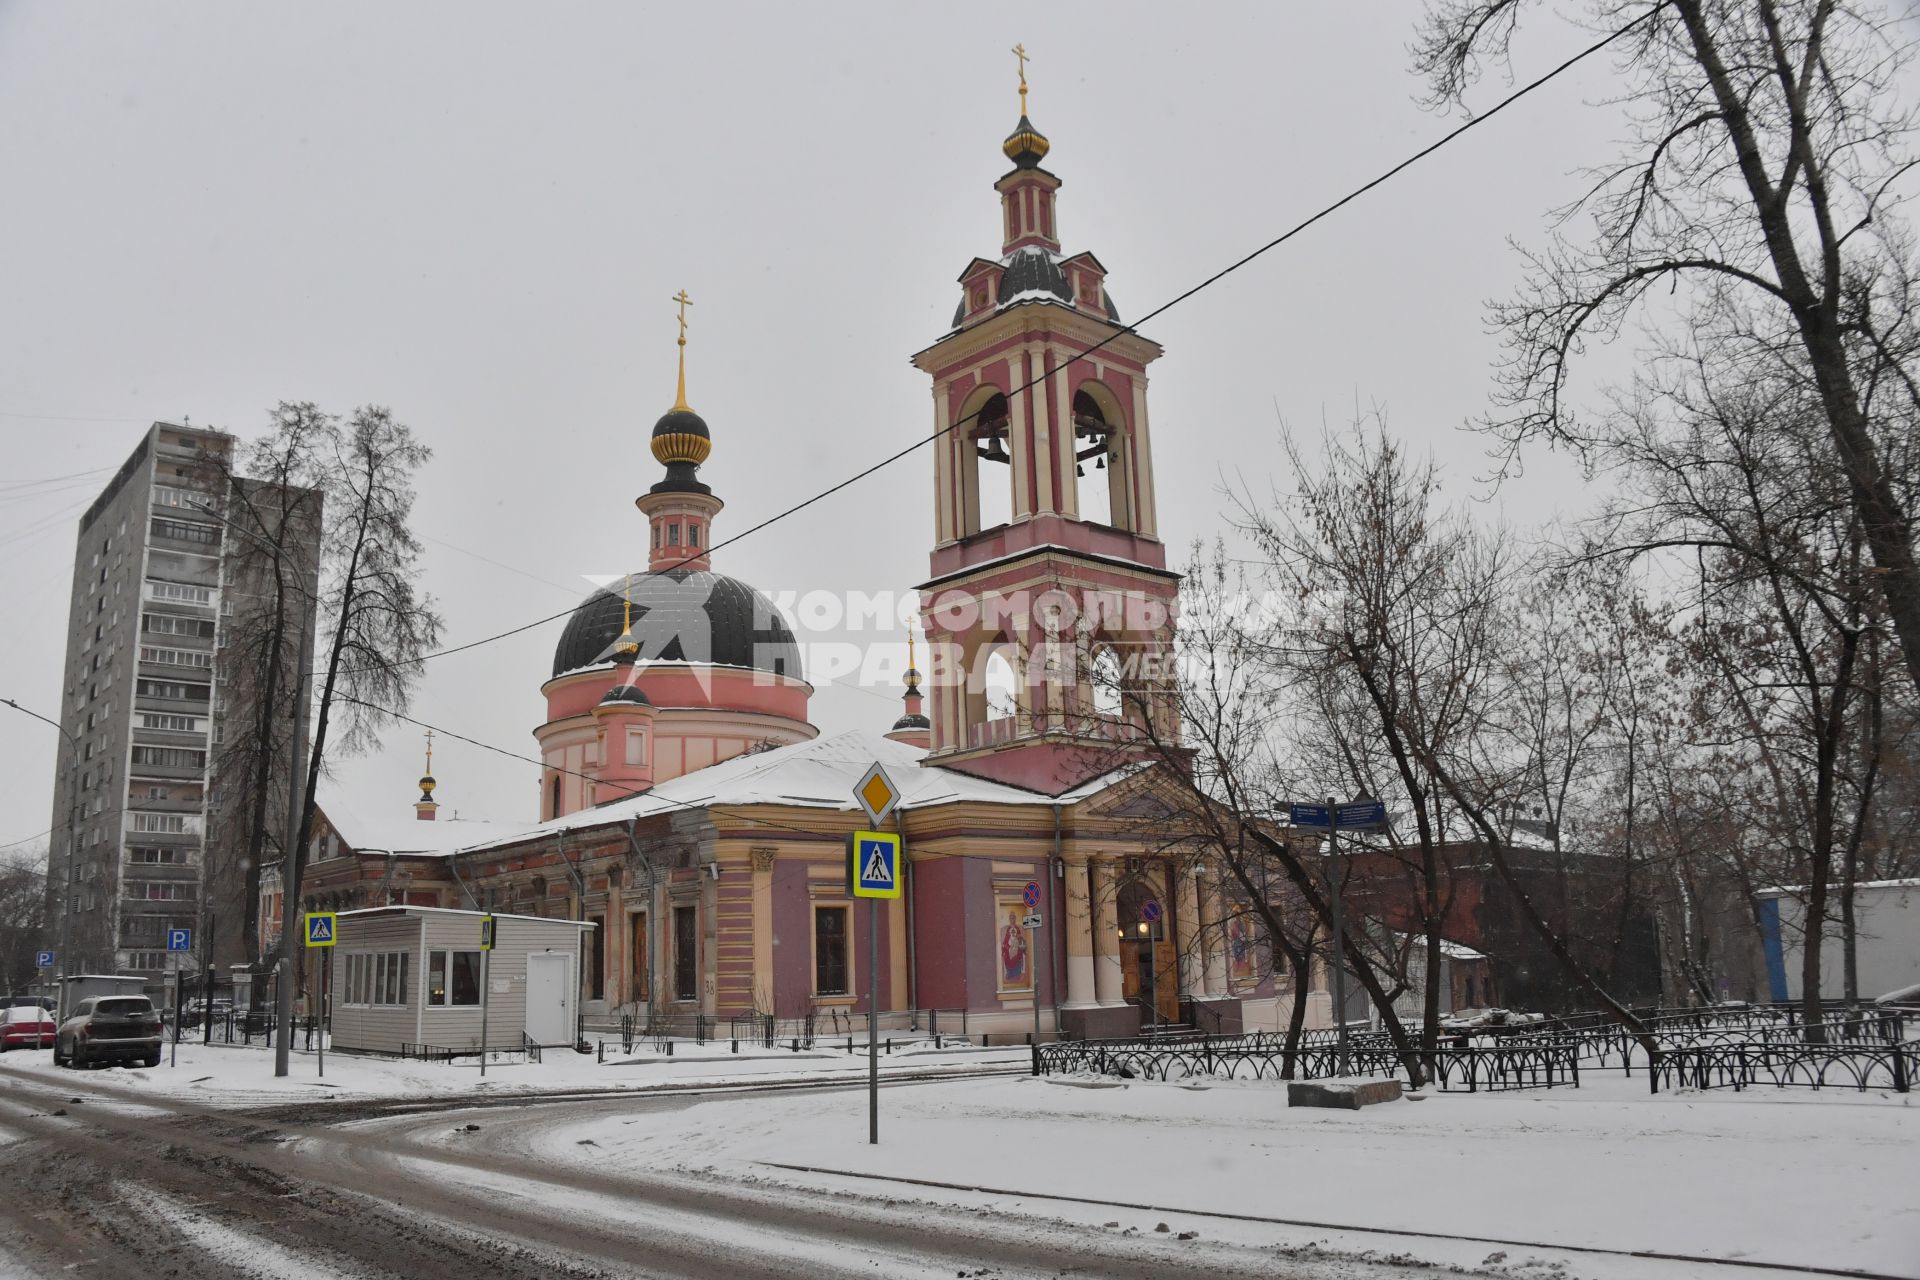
<point x="65" y="966"/>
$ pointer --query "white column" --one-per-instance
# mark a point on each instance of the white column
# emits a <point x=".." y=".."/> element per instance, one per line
<point x="1107" y="978"/>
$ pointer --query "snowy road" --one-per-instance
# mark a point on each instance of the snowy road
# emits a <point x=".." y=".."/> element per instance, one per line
<point x="120" y="1184"/>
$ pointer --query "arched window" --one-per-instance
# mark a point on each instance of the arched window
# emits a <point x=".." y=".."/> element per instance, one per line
<point x="1109" y="702"/>
<point x="553" y="797"/>
<point x="999" y="683"/>
<point x="1100" y="463"/>
<point x="988" y="495"/>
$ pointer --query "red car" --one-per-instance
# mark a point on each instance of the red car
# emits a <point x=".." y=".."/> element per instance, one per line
<point x="26" y="1027"/>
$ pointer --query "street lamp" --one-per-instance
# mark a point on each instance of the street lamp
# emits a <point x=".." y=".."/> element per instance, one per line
<point x="73" y="843"/>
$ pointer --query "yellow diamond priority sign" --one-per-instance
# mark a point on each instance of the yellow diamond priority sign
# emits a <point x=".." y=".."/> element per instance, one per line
<point x="877" y="794"/>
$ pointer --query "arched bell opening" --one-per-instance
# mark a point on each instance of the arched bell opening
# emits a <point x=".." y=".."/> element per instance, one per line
<point x="1101" y="463"/>
<point x="987" y="464"/>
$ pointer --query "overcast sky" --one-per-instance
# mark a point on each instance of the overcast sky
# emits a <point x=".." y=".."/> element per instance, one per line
<point x="475" y="214"/>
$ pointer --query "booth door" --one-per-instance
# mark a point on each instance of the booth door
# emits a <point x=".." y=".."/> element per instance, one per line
<point x="549" y="998"/>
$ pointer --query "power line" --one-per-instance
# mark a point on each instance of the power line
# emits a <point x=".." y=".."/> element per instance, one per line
<point x="1120" y="332"/>
<point x="690" y="805"/>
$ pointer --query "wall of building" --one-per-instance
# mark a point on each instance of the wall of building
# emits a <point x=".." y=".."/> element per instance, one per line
<point x="1886" y="945"/>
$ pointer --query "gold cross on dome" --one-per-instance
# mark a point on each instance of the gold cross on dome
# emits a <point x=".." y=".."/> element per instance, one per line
<point x="680" y="400"/>
<point x="685" y="302"/>
<point x="1020" y="52"/>
<point x="429" y="751"/>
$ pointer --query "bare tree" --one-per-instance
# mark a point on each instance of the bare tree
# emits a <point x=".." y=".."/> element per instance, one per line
<point x="273" y="518"/>
<point x="1414" y="609"/>
<point x="1764" y="162"/>
<point x="377" y="621"/>
<point x="23" y="912"/>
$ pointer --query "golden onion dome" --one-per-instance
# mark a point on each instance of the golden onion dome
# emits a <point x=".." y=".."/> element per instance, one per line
<point x="1026" y="146"/>
<point x="681" y="436"/>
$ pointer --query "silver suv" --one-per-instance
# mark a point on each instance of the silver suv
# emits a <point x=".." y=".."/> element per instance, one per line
<point x="109" y="1029"/>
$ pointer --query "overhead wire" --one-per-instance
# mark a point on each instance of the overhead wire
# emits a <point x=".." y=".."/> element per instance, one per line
<point x="1473" y="122"/>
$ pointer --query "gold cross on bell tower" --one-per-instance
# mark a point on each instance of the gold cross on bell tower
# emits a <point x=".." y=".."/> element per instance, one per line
<point x="429" y="751"/>
<point x="1020" y="52"/>
<point x="680" y="400"/>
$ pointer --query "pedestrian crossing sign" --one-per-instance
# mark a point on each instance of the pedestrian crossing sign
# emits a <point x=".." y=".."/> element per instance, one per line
<point x="320" y="929"/>
<point x="873" y="864"/>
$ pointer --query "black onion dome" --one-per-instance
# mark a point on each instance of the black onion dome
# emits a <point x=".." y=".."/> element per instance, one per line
<point x="912" y="722"/>
<point x="1028" y="270"/>
<point x="681" y="435"/>
<point x="626" y="693"/>
<point x="685" y="615"/>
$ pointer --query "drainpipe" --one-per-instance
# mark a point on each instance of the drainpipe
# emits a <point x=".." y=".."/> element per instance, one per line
<point x="466" y="890"/>
<point x="913" y="937"/>
<point x="1055" y="922"/>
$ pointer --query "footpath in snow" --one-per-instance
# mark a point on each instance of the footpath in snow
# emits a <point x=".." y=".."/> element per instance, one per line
<point x="241" y="1076"/>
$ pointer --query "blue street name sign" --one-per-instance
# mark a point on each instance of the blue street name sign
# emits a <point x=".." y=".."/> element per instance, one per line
<point x="875" y="864"/>
<point x="179" y="939"/>
<point x="1363" y="815"/>
<point x="44" y="960"/>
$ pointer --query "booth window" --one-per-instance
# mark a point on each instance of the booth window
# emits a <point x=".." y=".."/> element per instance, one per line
<point x="453" y="978"/>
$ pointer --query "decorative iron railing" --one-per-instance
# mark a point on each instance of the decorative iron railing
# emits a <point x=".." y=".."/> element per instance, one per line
<point x="1787" y="1065"/>
<point x="1264" y="1056"/>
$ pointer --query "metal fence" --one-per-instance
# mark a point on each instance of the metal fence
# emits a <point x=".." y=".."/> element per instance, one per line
<point x="1737" y="1065"/>
<point x="1264" y="1056"/>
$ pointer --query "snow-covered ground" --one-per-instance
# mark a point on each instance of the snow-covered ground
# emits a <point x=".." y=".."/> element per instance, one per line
<point x="1823" y="1179"/>
<point x="242" y="1076"/>
<point x="1829" y="1179"/>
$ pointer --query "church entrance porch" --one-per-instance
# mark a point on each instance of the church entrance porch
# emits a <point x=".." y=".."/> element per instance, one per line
<point x="1149" y="959"/>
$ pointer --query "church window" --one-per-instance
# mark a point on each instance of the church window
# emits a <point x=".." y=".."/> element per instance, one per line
<point x="686" y="974"/>
<point x="1108" y="701"/>
<point x="636" y="747"/>
<point x="597" y="960"/>
<point x="656" y="537"/>
<point x="553" y="793"/>
<point x="693" y="535"/>
<point x="830" y="977"/>
<point x="673" y="535"/>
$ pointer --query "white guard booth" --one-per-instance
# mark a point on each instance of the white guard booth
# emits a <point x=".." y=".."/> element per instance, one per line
<point x="410" y="978"/>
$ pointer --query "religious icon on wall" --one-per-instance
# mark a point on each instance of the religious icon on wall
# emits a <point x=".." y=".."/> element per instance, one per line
<point x="1016" y="956"/>
<point x="1239" y="951"/>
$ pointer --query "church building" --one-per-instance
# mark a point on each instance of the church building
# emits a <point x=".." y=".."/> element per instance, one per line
<point x="691" y="811"/>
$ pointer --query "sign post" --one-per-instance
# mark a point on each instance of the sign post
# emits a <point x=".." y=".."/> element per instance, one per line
<point x="1032" y="920"/>
<point x="1361" y="815"/>
<point x="486" y="957"/>
<point x="178" y="940"/>
<point x="874" y="872"/>
<point x="322" y="929"/>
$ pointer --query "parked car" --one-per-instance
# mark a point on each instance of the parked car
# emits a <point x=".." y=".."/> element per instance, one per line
<point x="26" y="1026"/>
<point x="107" y="1029"/>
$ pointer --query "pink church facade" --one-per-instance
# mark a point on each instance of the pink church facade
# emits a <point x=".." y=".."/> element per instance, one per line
<point x="691" y="812"/>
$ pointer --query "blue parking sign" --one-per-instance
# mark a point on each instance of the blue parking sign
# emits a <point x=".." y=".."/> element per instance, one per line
<point x="179" y="939"/>
<point x="44" y="960"/>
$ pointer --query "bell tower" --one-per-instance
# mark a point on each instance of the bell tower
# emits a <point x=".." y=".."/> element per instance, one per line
<point x="1049" y="610"/>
